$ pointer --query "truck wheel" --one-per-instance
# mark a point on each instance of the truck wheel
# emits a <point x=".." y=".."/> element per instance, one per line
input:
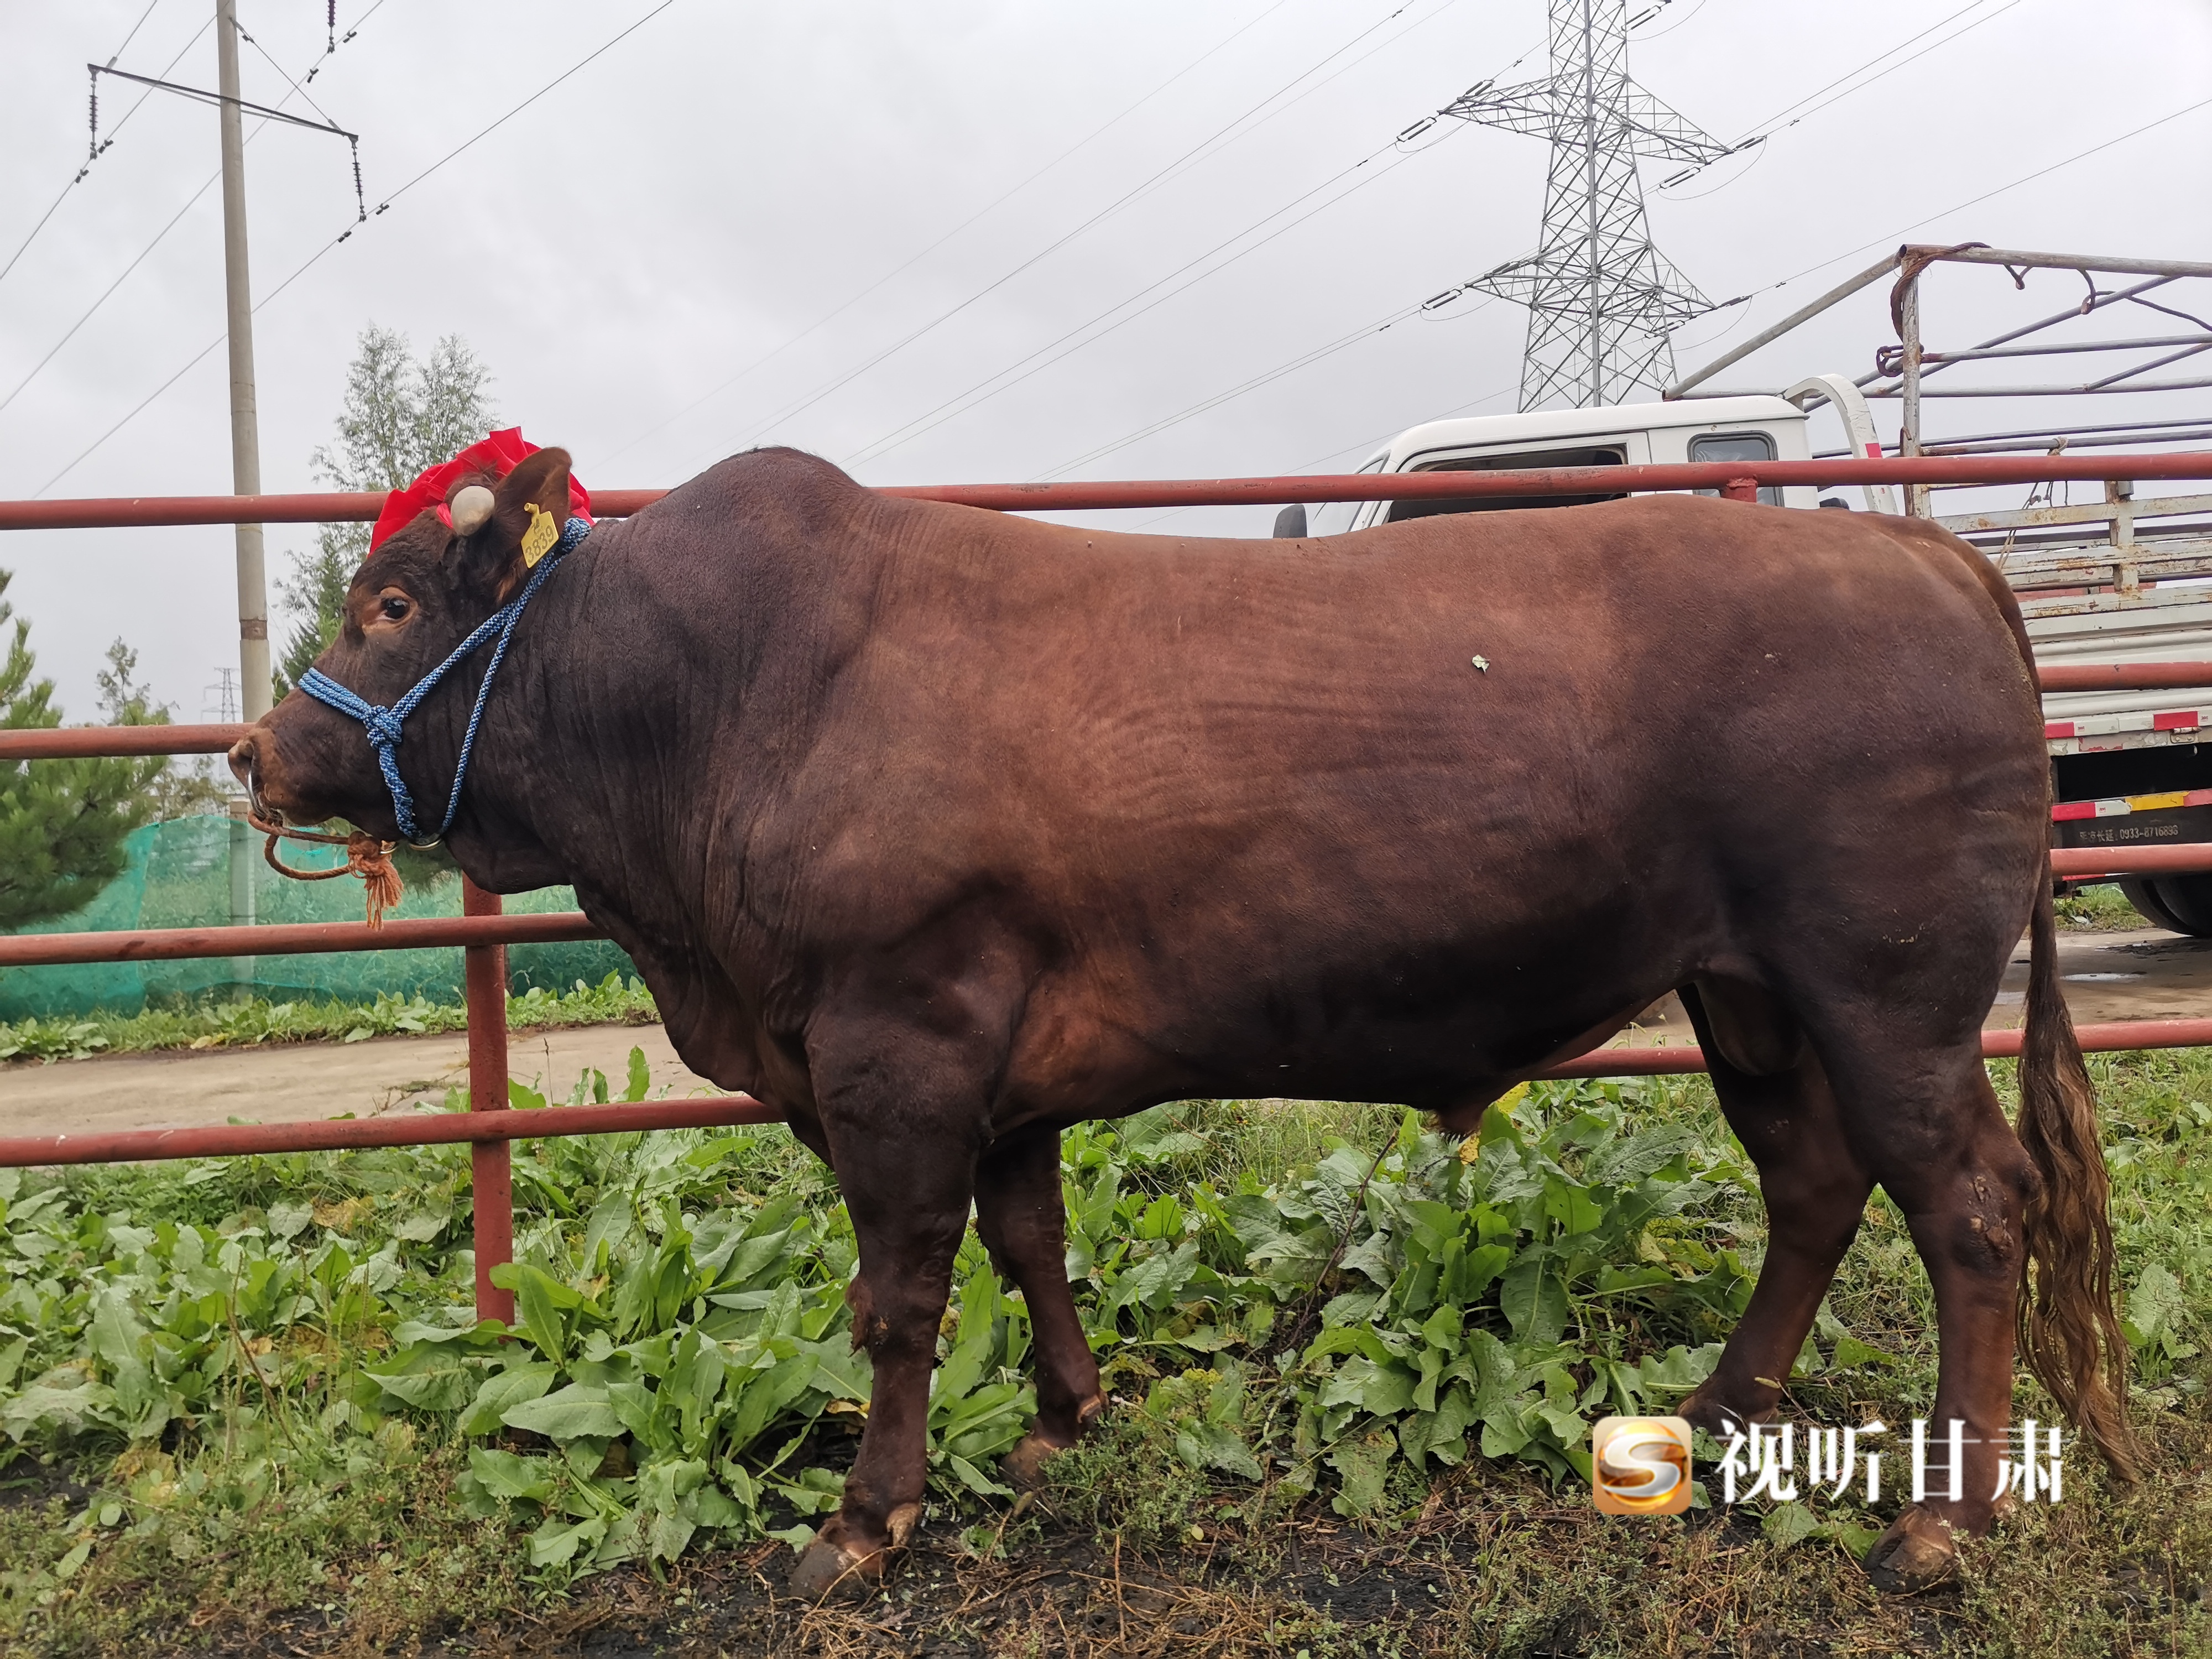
<point x="2181" y="904"/>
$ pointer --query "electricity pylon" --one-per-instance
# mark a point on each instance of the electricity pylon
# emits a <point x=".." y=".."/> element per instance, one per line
<point x="1600" y="299"/>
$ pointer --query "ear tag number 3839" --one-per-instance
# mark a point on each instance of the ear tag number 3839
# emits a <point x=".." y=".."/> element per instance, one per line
<point x="538" y="539"/>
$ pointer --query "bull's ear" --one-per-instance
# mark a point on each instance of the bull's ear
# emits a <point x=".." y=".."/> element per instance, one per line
<point x="529" y="507"/>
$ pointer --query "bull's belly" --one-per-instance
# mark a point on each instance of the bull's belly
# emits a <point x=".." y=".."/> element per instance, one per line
<point x="1449" y="1045"/>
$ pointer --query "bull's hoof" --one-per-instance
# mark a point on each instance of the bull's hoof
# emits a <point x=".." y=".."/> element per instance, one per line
<point x="1023" y="1468"/>
<point x="1916" y="1553"/>
<point x="1717" y="1417"/>
<point x="832" y="1565"/>
<point x="828" y="1568"/>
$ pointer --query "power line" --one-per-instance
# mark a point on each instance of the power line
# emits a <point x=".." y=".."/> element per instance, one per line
<point x="1790" y="109"/>
<point x="1762" y="130"/>
<point x="144" y="253"/>
<point x="960" y="404"/>
<point x="134" y="27"/>
<point x="471" y="142"/>
<point x="831" y="316"/>
<point x="1364" y="445"/>
<point x="1975" y="201"/>
<point x="155" y="84"/>
<point x="1650" y="15"/>
<point x="1190" y="156"/>
<point x="190" y="364"/>
<point x="1369" y="332"/>
<point x="315" y="258"/>
<point x="81" y="172"/>
<point x="299" y="87"/>
<point x="158" y="83"/>
<point x="953" y="407"/>
<point x="1195" y="158"/>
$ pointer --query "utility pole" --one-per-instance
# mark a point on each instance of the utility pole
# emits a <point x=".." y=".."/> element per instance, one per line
<point x="1601" y="301"/>
<point x="245" y="455"/>
<point x="245" y="420"/>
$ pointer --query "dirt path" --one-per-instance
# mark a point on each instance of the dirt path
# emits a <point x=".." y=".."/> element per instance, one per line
<point x="2144" y="975"/>
<point x="292" y="1080"/>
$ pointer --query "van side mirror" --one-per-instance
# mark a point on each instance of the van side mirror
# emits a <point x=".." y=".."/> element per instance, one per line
<point x="1290" y="522"/>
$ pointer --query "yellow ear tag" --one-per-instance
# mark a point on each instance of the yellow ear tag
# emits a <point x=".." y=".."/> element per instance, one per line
<point x="538" y="540"/>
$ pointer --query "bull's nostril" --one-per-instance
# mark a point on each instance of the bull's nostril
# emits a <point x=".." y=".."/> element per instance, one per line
<point x="246" y="767"/>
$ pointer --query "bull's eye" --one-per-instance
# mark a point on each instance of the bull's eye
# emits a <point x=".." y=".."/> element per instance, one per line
<point x="395" y="608"/>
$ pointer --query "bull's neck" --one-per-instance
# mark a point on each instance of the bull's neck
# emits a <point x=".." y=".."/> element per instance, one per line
<point x="644" y="694"/>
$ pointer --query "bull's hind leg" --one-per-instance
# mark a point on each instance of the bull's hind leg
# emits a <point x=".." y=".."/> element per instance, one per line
<point x="1020" y="1214"/>
<point x="1814" y="1186"/>
<point x="1945" y="1155"/>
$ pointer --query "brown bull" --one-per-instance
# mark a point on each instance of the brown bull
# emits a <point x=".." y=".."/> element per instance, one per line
<point x="942" y="831"/>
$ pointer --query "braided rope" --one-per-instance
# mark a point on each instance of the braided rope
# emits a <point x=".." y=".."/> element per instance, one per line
<point x="366" y="857"/>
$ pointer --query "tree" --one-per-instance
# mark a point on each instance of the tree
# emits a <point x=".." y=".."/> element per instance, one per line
<point x="399" y="416"/>
<point x="62" y="822"/>
<point x="178" y="791"/>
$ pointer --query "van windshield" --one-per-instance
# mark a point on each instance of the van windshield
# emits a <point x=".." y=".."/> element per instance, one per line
<point x="1596" y="455"/>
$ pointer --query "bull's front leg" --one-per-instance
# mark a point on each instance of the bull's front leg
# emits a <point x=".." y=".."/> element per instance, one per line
<point x="905" y="1160"/>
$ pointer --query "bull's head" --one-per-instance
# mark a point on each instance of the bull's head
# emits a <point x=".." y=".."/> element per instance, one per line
<point x="415" y="598"/>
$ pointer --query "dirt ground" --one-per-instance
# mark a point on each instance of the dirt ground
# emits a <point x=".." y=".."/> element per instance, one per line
<point x="279" y="1081"/>
<point x="2141" y="975"/>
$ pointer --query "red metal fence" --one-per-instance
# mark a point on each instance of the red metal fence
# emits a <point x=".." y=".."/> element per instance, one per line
<point x="483" y="934"/>
<point x="1956" y="471"/>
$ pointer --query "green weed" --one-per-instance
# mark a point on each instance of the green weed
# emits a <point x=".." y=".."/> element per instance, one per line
<point x="267" y="1372"/>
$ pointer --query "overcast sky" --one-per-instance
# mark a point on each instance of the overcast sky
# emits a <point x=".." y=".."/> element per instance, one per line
<point x="731" y="181"/>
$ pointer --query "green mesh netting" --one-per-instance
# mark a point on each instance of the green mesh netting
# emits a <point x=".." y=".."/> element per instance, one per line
<point x="178" y="876"/>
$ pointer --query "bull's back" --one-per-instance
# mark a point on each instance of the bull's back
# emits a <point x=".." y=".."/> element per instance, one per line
<point x="1515" y="676"/>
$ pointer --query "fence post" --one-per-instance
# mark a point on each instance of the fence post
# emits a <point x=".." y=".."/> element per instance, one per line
<point x="1740" y="490"/>
<point x="1908" y="435"/>
<point x="491" y="1175"/>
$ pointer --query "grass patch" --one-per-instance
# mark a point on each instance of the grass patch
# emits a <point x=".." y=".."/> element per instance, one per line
<point x="212" y="1022"/>
<point x="248" y="1409"/>
<point x="2102" y="908"/>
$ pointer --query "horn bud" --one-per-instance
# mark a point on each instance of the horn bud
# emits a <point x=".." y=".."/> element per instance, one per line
<point x="471" y="508"/>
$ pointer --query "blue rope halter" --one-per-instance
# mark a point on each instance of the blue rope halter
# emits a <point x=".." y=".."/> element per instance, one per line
<point x="383" y="725"/>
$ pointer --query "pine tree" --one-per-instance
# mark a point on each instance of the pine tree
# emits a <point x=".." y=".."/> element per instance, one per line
<point x="180" y="789"/>
<point x="62" y="822"/>
<point x="399" y="417"/>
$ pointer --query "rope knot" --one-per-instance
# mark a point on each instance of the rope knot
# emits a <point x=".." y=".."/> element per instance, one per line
<point x="366" y="857"/>
<point x="384" y="728"/>
<point x="371" y="859"/>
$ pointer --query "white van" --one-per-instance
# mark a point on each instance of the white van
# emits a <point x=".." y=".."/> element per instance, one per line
<point x="1755" y="428"/>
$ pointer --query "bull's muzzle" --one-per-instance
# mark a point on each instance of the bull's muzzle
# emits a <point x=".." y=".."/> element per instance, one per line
<point x="246" y="766"/>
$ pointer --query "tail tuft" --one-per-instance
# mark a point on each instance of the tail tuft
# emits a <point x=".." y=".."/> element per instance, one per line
<point x="2068" y="1332"/>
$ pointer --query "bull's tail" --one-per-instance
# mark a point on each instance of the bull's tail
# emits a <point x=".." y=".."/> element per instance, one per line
<point x="2068" y="1332"/>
